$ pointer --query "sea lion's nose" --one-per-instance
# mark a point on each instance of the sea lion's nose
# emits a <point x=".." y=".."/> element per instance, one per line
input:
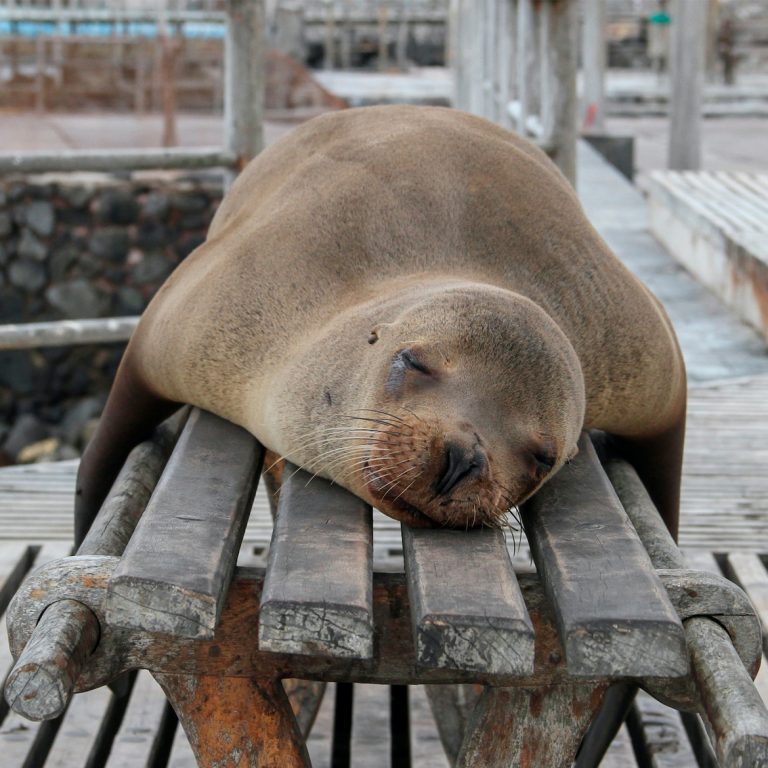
<point x="461" y="461"/>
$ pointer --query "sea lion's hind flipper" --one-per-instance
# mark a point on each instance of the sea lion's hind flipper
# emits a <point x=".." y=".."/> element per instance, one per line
<point x="658" y="461"/>
<point x="132" y="412"/>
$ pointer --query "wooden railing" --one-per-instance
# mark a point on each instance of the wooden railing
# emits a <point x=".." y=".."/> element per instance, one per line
<point x="515" y="63"/>
<point x="243" y="113"/>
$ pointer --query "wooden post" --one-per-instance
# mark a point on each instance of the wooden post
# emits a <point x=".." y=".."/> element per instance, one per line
<point x="140" y="56"/>
<point x="170" y="48"/>
<point x="402" y="35"/>
<point x="593" y="56"/>
<point x="346" y="36"/>
<point x="383" y="19"/>
<point x="40" y="74"/>
<point x="558" y="86"/>
<point x="524" y="42"/>
<point x="330" y="34"/>
<point x="488" y="53"/>
<point x="687" y="74"/>
<point x="504" y="61"/>
<point x="244" y="83"/>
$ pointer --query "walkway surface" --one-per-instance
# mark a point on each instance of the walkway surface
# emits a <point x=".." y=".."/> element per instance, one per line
<point x="725" y="487"/>
<point x="725" y="510"/>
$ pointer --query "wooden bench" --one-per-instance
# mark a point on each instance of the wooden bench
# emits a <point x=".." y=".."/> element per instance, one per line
<point x="154" y="586"/>
<point x="716" y="225"/>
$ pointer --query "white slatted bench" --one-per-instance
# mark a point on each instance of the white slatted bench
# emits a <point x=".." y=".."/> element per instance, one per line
<point x="612" y="603"/>
<point x="716" y="225"/>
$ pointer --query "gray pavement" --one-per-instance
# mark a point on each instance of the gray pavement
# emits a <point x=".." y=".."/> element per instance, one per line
<point x="715" y="343"/>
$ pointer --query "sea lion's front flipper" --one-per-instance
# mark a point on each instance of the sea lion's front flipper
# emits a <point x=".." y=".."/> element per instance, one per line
<point x="132" y="412"/>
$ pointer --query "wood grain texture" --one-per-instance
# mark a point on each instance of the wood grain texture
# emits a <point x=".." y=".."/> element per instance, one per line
<point x="660" y="735"/>
<point x="137" y="740"/>
<point x="732" y="705"/>
<point x="613" y="613"/>
<point x="466" y="606"/>
<point x="318" y="589"/>
<point x="529" y="727"/>
<point x="243" y="722"/>
<point x="126" y="501"/>
<point x="41" y="682"/>
<point x="176" y="568"/>
<point x="231" y="651"/>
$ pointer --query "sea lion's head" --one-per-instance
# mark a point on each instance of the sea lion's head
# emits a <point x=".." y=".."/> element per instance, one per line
<point x="449" y="407"/>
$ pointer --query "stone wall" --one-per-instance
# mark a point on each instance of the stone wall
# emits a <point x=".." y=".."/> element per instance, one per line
<point x="83" y="248"/>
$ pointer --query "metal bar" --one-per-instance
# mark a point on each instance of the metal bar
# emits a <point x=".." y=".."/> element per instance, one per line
<point x="112" y="160"/>
<point x="62" y="333"/>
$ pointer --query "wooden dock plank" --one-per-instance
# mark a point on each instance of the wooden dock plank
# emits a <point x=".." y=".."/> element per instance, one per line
<point x="660" y="734"/>
<point x="370" y="742"/>
<point x="137" y="740"/>
<point x="621" y="754"/>
<point x="320" y="737"/>
<point x="426" y="747"/>
<point x="83" y="730"/>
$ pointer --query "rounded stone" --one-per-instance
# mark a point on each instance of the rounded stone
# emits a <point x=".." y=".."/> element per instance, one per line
<point x="129" y="301"/>
<point x="155" y="205"/>
<point x="27" y="275"/>
<point x="40" y="217"/>
<point x="154" y="267"/>
<point x="110" y="243"/>
<point x="76" y="196"/>
<point x="116" y="206"/>
<point x="31" y="247"/>
<point x="77" y="299"/>
<point x="6" y="224"/>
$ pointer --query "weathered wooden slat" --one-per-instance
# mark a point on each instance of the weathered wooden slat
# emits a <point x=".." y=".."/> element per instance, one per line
<point x="15" y="560"/>
<point x="369" y="745"/>
<point x="466" y="606"/>
<point x="659" y="733"/>
<point x="41" y="683"/>
<point x="452" y="707"/>
<point x="621" y="754"/>
<point x="181" y="755"/>
<point x="127" y="499"/>
<point x="748" y="571"/>
<point x="735" y="714"/>
<point x="175" y="571"/>
<point x="317" y="592"/>
<point x="137" y="741"/>
<point x="320" y="737"/>
<point x="541" y="727"/>
<point x="84" y="731"/>
<point x="426" y="749"/>
<point x="612" y="611"/>
<point x="733" y="706"/>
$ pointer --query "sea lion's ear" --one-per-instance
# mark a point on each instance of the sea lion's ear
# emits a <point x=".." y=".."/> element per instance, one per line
<point x="376" y="332"/>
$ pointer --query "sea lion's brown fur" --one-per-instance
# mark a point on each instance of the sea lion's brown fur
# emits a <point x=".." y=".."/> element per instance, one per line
<point x="412" y="285"/>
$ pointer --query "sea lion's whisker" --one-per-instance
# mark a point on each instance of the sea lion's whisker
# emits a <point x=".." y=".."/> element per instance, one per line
<point x="381" y="413"/>
<point x="405" y="489"/>
<point x="393" y="483"/>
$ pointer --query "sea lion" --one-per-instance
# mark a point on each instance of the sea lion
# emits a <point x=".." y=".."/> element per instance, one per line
<point x="410" y="302"/>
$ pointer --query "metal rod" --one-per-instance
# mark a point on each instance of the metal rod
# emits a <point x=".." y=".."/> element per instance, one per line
<point x="62" y="333"/>
<point x="113" y="160"/>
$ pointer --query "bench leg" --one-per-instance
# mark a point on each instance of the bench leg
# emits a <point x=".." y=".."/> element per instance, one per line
<point x="529" y="727"/>
<point x="236" y="722"/>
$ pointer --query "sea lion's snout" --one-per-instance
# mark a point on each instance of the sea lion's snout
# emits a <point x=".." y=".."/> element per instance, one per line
<point x="464" y="460"/>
